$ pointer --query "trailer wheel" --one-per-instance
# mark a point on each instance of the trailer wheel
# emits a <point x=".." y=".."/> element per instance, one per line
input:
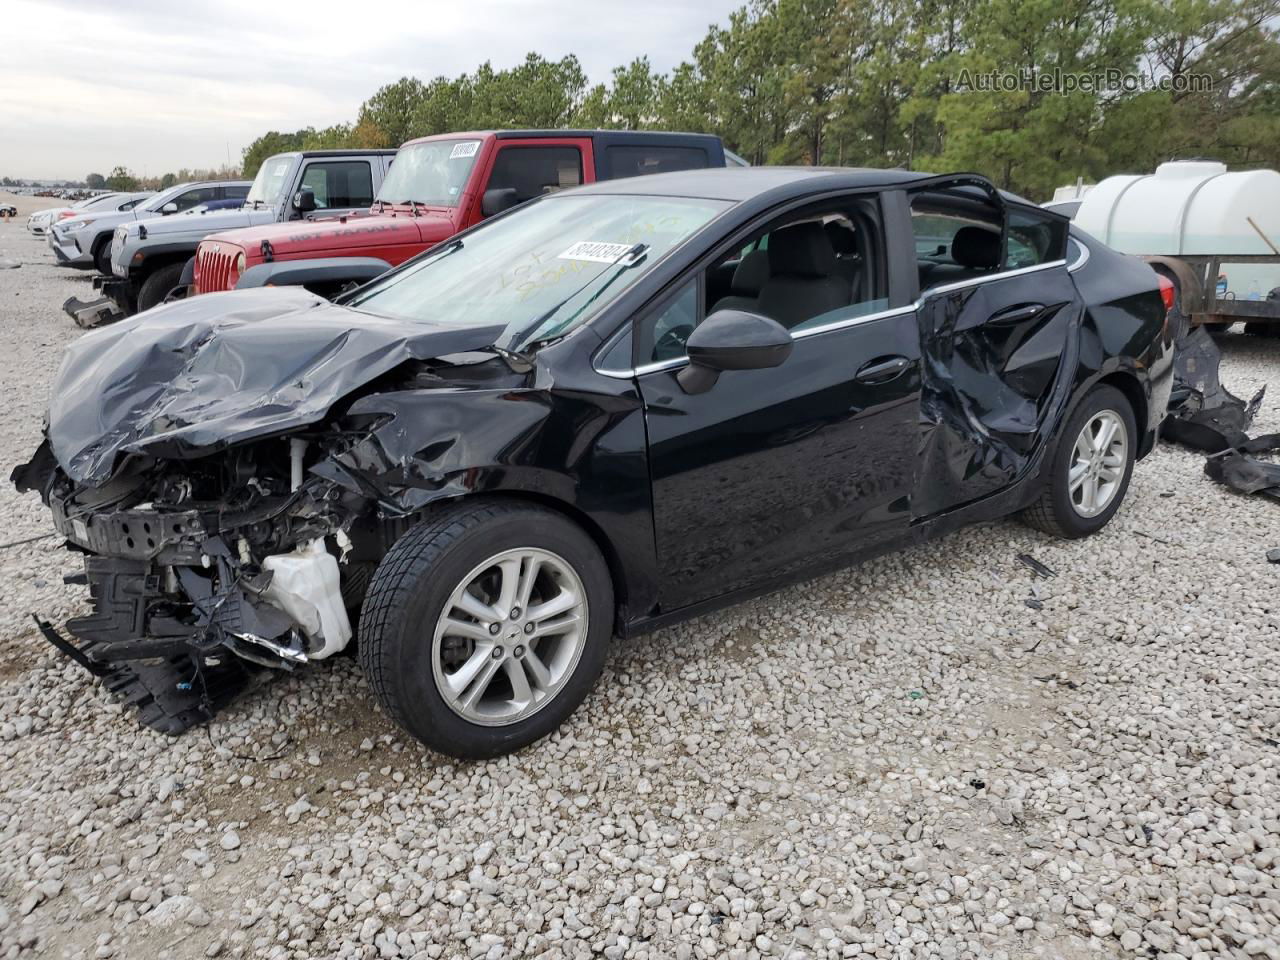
<point x="1262" y="329"/>
<point x="1179" y="322"/>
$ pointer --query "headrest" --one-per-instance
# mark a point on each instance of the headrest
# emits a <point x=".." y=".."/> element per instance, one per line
<point x="975" y="247"/>
<point x="843" y="240"/>
<point x="751" y="275"/>
<point x="801" y="249"/>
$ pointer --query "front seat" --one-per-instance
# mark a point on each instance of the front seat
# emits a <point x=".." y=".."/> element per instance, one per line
<point x="804" y="279"/>
<point x="749" y="278"/>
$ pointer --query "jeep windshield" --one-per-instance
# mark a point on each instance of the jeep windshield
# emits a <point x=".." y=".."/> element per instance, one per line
<point x="543" y="270"/>
<point x="431" y="174"/>
<point x="270" y="182"/>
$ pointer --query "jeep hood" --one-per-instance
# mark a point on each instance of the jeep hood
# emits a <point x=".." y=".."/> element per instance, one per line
<point x="315" y="237"/>
<point x="197" y="375"/>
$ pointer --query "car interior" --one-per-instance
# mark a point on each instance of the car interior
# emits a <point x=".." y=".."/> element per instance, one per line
<point x="809" y="269"/>
<point x="827" y="265"/>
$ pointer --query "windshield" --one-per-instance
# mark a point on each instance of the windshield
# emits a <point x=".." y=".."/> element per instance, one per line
<point x="270" y="182"/>
<point x="542" y="271"/>
<point x="432" y="174"/>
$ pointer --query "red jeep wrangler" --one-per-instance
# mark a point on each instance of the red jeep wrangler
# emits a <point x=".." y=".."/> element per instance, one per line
<point x="437" y="187"/>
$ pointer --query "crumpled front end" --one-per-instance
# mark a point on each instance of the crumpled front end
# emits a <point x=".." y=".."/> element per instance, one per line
<point x="203" y="573"/>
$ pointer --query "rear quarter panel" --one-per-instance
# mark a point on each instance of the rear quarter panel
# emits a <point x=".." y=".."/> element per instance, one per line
<point x="1124" y="328"/>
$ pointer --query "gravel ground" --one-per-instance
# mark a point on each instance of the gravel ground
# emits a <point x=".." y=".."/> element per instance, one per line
<point x="899" y="760"/>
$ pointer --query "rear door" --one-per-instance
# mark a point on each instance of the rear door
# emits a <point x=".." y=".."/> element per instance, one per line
<point x="998" y="312"/>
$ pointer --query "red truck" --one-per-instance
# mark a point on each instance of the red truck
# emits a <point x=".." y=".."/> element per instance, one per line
<point x="437" y="187"/>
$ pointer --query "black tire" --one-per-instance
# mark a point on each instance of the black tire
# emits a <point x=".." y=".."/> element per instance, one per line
<point x="157" y="286"/>
<point x="1054" y="511"/>
<point x="102" y="256"/>
<point x="410" y="589"/>
<point x="1262" y="328"/>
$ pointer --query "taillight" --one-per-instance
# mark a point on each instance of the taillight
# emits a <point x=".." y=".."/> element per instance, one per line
<point x="1168" y="292"/>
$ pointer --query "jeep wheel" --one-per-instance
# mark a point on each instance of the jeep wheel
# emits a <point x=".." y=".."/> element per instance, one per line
<point x="157" y="286"/>
<point x="485" y="626"/>
<point x="1091" y="467"/>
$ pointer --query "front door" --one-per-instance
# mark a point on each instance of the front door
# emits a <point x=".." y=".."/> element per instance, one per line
<point x="773" y="471"/>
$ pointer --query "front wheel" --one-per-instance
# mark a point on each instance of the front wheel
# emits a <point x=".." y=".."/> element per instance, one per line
<point x="1091" y="467"/>
<point x="157" y="286"/>
<point x="485" y="626"/>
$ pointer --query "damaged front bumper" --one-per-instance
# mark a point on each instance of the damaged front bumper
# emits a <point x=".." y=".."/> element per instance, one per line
<point x="187" y="612"/>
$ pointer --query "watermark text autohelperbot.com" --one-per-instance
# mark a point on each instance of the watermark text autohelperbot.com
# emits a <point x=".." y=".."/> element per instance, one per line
<point x="1065" y="82"/>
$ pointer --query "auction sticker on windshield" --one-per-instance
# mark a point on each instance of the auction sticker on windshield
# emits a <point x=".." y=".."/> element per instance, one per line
<point x="467" y="148"/>
<point x="595" y="251"/>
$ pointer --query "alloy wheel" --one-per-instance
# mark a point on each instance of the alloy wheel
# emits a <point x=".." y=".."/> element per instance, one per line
<point x="510" y="636"/>
<point x="1098" y="463"/>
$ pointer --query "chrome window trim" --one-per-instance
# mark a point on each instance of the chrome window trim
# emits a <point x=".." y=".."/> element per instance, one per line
<point x="675" y="362"/>
<point x="1081" y="260"/>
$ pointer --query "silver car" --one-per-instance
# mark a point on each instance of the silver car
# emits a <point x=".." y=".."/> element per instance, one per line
<point x="84" y="241"/>
<point x="40" y="221"/>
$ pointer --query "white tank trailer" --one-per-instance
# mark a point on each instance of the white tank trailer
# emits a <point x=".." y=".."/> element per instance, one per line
<point x="1215" y="233"/>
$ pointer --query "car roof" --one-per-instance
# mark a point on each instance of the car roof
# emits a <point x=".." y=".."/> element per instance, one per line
<point x="743" y="183"/>
<point x="617" y="136"/>
<point x="337" y="152"/>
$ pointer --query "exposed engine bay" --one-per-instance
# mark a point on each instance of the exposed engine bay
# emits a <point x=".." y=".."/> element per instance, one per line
<point x="213" y="557"/>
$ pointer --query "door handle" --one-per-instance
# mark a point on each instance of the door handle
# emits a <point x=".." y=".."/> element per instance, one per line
<point x="1019" y="314"/>
<point x="882" y="369"/>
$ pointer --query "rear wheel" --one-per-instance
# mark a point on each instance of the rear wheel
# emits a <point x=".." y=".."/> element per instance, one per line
<point x="485" y="626"/>
<point x="1091" y="467"/>
<point x="157" y="286"/>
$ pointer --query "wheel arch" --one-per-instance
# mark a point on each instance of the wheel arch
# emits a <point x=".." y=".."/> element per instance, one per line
<point x="1128" y="383"/>
<point x="577" y="516"/>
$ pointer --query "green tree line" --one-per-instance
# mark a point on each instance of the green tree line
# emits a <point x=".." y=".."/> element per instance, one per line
<point x="992" y="86"/>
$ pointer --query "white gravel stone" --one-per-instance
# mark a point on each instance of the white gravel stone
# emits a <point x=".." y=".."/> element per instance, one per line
<point x="897" y="760"/>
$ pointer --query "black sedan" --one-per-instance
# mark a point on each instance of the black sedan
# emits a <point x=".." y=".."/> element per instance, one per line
<point x="607" y="410"/>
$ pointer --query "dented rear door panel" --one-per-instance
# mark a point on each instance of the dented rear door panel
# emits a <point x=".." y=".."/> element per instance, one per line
<point x="999" y="357"/>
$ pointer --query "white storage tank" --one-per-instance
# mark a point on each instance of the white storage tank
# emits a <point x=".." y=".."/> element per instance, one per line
<point x="1192" y="207"/>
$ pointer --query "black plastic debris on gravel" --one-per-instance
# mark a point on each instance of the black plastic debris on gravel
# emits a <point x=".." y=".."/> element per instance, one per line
<point x="1205" y="416"/>
<point x="1035" y="566"/>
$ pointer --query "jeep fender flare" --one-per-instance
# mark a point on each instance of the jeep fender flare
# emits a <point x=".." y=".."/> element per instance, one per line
<point x="285" y="273"/>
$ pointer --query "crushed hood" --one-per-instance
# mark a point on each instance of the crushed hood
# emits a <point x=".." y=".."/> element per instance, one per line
<point x="197" y="375"/>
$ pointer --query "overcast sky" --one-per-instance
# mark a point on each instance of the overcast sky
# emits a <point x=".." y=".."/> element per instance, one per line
<point x="157" y="85"/>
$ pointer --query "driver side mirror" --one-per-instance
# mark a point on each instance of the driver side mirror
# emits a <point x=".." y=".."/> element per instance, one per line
<point x="170" y="207"/>
<point x="498" y="199"/>
<point x="732" y="340"/>
<point x="304" y="201"/>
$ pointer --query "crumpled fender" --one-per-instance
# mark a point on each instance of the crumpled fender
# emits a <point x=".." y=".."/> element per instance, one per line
<point x="197" y="375"/>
